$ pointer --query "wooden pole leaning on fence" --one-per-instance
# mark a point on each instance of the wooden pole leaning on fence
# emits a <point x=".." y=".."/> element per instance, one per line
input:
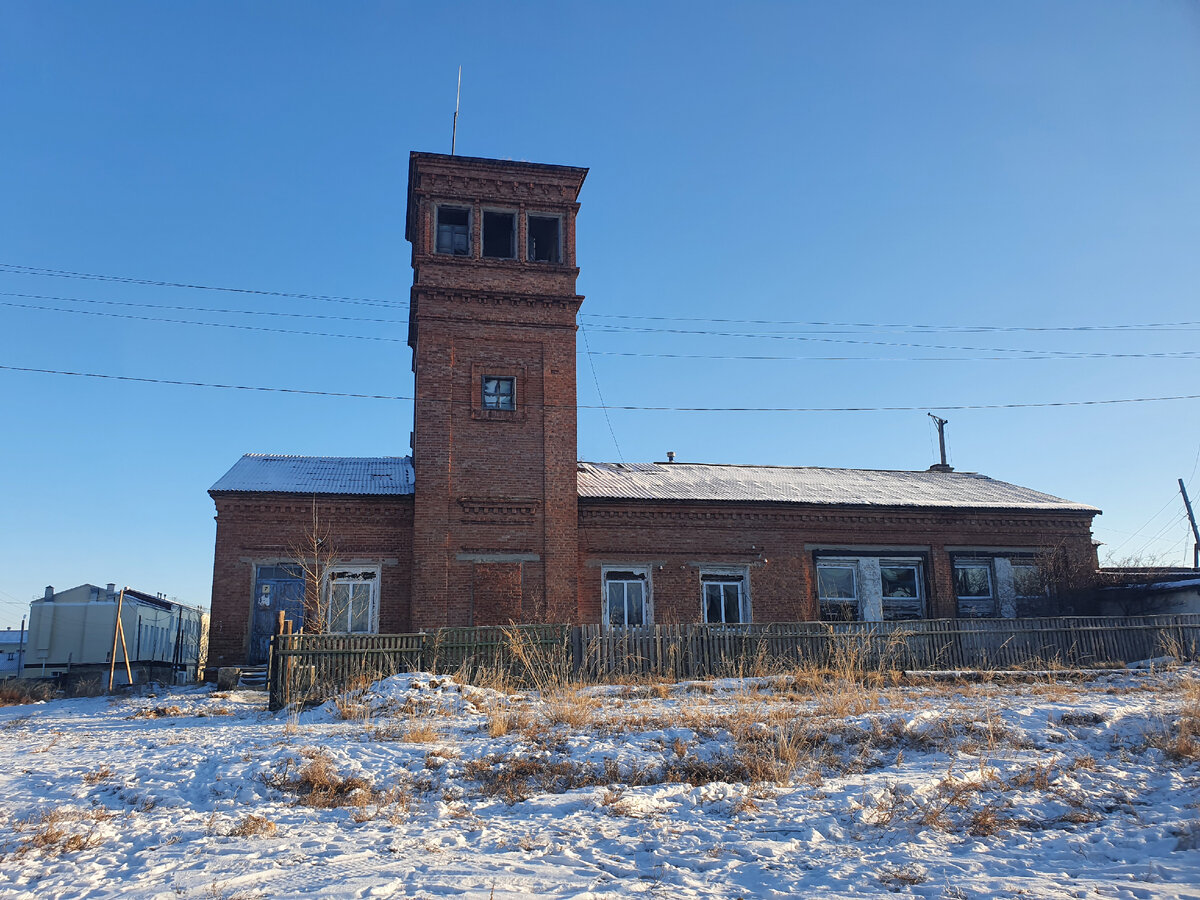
<point x="119" y="631"/>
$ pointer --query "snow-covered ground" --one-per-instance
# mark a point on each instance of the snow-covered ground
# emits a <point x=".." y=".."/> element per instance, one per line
<point x="422" y="787"/>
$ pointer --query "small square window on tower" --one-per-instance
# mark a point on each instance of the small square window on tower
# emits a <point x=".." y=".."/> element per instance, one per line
<point x="454" y="230"/>
<point x="499" y="235"/>
<point x="545" y="239"/>
<point x="499" y="392"/>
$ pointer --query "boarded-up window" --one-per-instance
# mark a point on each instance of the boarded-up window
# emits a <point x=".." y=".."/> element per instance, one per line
<point x="496" y="593"/>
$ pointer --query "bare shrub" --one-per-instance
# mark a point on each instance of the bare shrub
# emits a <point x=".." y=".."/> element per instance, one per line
<point x="254" y="826"/>
<point x="318" y="784"/>
<point x="903" y="876"/>
<point x="18" y="691"/>
<point x="60" y="830"/>
<point x="97" y="775"/>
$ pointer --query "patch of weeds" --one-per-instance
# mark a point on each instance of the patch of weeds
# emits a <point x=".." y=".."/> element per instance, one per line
<point x="56" y="831"/>
<point x="318" y="784"/>
<point x="17" y="722"/>
<point x="104" y="773"/>
<point x="1086" y="717"/>
<point x="254" y="826"/>
<point x="903" y="876"/>
<point x="158" y="712"/>
<point x="18" y="691"/>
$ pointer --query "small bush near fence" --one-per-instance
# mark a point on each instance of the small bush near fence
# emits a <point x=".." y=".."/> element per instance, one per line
<point x="306" y="668"/>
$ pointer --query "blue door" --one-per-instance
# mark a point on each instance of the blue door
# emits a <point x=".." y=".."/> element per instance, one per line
<point x="276" y="588"/>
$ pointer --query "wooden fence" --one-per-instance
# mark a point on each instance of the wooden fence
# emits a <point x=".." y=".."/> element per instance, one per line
<point x="314" y="667"/>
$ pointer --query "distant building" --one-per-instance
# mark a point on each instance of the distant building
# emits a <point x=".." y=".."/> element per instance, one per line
<point x="1148" y="591"/>
<point x="12" y="645"/>
<point x="71" y="634"/>
<point x="494" y="518"/>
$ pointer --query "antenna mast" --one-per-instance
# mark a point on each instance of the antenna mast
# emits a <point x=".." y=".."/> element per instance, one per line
<point x="943" y="466"/>
<point x="454" y="129"/>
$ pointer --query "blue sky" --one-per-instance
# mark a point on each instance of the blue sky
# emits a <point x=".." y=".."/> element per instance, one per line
<point x="947" y="165"/>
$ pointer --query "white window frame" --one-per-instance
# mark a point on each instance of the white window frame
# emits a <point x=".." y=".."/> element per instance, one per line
<point x="739" y="575"/>
<point x="647" y="592"/>
<point x="352" y="575"/>
<point x="988" y="564"/>
<point x="559" y="252"/>
<point x="847" y="602"/>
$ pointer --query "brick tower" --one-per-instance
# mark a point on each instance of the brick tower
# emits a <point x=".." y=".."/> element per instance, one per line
<point x="492" y="330"/>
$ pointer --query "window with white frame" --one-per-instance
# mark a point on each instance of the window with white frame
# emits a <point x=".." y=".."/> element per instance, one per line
<point x="724" y="596"/>
<point x="626" y="598"/>
<point x="453" y="230"/>
<point x="499" y="392"/>
<point x="974" y="587"/>
<point x="353" y="601"/>
<point x="903" y="589"/>
<point x="837" y="591"/>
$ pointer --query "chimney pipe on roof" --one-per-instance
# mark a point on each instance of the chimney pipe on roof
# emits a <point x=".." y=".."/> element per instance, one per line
<point x="49" y="595"/>
<point x="670" y="456"/>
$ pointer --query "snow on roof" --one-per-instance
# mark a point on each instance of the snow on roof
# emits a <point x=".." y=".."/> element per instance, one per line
<point x="393" y="475"/>
<point x="788" y="484"/>
<point x="319" y="475"/>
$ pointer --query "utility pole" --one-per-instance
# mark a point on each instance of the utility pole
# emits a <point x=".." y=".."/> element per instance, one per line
<point x="941" y="423"/>
<point x="1195" y="534"/>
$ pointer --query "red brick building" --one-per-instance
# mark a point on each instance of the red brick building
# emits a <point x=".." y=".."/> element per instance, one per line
<point x="494" y="518"/>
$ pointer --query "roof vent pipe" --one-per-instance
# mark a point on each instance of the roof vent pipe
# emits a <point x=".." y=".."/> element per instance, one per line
<point x="49" y="595"/>
<point x="670" y="456"/>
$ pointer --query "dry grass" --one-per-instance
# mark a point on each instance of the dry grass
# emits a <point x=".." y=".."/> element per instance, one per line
<point x="158" y="712"/>
<point x="317" y="783"/>
<point x="18" y="691"/>
<point x="57" y="831"/>
<point x="104" y="773"/>
<point x="254" y="826"/>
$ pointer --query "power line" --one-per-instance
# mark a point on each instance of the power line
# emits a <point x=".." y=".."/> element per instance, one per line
<point x="1028" y="354"/>
<point x="1060" y="355"/>
<point x="826" y="340"/>
<point x="162" y="320"/>
<point x="18" y="269"/>
<point x="209" y="309"/>
<point x="15" y="269"/>
<point x="600" y="394"/>
<point x="756" y="409"/>
<point x="905" y="326"/>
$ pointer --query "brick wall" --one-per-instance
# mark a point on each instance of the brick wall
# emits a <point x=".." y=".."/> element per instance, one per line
<point x="495" y="489"/>
<point x="777" y="544"/>
<point x="267" y="528"/>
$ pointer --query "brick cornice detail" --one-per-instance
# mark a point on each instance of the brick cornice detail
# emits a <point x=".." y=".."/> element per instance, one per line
<point x="492" y="509"/>
<point x="846" y="517"/>
<point x="492" y="298"/>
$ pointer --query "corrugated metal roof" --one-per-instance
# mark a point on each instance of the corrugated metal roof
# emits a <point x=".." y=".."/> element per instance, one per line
<point x="319" y="474"/>
<point x="786" y="484"/>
